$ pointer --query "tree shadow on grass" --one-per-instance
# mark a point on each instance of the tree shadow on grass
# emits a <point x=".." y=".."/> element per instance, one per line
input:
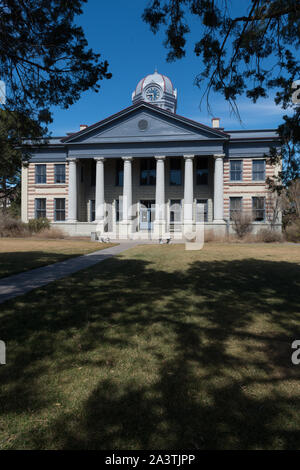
<point x="19" y="262"/>
<point x="206" y="355"/>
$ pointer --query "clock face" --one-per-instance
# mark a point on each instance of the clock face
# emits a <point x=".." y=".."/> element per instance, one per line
<point x="152" y="93"/>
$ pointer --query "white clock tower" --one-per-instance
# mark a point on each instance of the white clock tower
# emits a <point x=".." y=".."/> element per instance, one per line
<point x="156" y="89"/>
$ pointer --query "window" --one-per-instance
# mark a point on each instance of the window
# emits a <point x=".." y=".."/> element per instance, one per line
<point x="235" y="206"/>
<point x="59" y="174"/>
<point x="119" y="172"/>
<point x="92" y="210"/>
<point x="59" y="209"/>
<point x="175" y="172"/>
<point x="202" y="210"/>
<point x="202" y="170"/>
<point x="93" y="173"/>
<point x="236" y="170"/>
<point x="148" y="171"/>
<point x="40" y="174"/>
<point x="40" y="208"/>
<point x="258" y="170"/>
<point x="258" y="209"/>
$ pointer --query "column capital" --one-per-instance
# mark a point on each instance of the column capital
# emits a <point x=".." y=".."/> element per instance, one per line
<point x="159" y="157"/>
<point x="127" y="158"/>
<point x="188" y="157"/>
<point x="99" y="159"/>
<point x="219" y="155"/>
<point x="71" y="160"/>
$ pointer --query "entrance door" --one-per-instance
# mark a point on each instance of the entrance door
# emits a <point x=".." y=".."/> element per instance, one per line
<point x="147" y="214"/>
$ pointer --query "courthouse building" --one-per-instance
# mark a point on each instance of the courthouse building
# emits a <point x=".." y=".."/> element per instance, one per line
<point x="147" y="169"/>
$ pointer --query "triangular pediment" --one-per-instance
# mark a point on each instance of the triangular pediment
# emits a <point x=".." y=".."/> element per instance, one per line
<point x="144" y="123"/>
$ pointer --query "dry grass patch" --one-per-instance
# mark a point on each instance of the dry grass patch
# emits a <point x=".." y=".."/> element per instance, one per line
<point x="21" y="254"/>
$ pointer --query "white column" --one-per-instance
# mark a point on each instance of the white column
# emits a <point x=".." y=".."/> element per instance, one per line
<point x="160" y="222"/>
<point x="99" y="193"/>
<point x="126" y="224"/>
<point x="72" y="203"/>
<point x="127" y="189"/>
<point x="218" y="189"/>
<point x="188" y="192"/>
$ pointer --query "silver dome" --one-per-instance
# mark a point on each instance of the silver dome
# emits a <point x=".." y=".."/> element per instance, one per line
<point x="168" y="98"/>
<point x="157" y="78"/>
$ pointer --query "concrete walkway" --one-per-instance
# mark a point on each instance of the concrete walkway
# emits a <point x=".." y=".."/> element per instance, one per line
<point x="19" y="284"/>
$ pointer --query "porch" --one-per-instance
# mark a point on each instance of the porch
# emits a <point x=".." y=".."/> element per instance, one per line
<point x="133" y="197"/>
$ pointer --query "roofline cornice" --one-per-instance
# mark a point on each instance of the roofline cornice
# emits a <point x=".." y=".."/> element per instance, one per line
<point x="256" y="139"/>
<point x="252" y="130"/>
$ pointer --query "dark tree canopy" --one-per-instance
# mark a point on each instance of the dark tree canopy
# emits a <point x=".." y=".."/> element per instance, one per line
<point x="44" y="61"/>
<point x="249" y="52"/>
<point x="13" y="127"/>
<point x="235" y="48"/>
<point x="44" y="58"/>
<point x="289" y="156"/>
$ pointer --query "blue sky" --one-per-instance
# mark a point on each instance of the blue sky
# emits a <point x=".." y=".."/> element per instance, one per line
<point x="116" y="30"/>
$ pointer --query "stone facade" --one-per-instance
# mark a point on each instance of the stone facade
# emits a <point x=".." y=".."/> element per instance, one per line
<point x="86" y="194"/>
<point x="50" y="190"/>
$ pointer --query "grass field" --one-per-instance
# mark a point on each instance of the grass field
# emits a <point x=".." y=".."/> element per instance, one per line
<point x="157" y="348"/>
<point x="21" y="254"/>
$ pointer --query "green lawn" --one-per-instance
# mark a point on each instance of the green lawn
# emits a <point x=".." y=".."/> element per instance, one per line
<point x="21" y="254"/>
<point x="157" y="348"/>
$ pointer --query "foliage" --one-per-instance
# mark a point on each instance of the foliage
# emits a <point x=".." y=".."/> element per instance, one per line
<point x="242" y="223"/>
<point x="14" y="210"/>
<point x="234" y="48"/>
<point x="268" y="235"/>
<point x="248" y="53"/>
<point x="37" y="225"/>
<point x="13" y="127"/>
<point x="289" y="156"/>
<point x="290" y="198"/>
<point x="44" y="58"/>
<point x="292" y="231"/>
<point x="273" y="208"/>
<point x="12" y="227"/>
<point x="44" y="61"/>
